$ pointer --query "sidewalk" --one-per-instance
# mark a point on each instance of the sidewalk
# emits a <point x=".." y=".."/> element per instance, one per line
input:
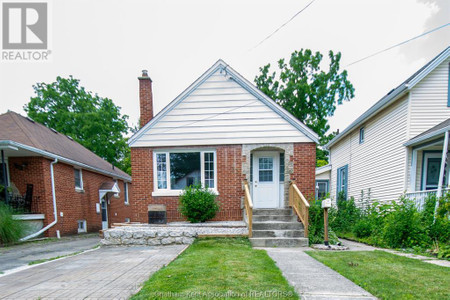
<point x="21" y="255"/>
<point x="312" y="279"/>
<point x="355" y="246"/>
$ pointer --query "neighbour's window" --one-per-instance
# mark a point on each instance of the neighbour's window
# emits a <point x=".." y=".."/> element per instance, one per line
<point x="281" y="167"/>
<point x="125" y="192"/>
<point x="361" y="135"/>
<point x="177" y="170"/>
<point x="322" y="189"/>
<point x="342" y="179"/>
<point x="78" y="179"/>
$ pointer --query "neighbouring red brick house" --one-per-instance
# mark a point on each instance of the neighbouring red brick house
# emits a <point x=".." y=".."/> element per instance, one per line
<point x="89" y="192"/>
<point x="220" y="131"/>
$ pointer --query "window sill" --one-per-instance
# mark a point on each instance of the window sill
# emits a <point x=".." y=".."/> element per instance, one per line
<point x="78" y="190"/>
<point x="127" y="203"/>
<point x="174" y="193"/>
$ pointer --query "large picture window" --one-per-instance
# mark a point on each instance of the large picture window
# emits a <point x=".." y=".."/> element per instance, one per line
<point x="176" y="170"/>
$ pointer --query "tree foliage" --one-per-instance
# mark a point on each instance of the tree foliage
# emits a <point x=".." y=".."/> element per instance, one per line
<point x="91" y="120"/>
<point x="306" y="91"/>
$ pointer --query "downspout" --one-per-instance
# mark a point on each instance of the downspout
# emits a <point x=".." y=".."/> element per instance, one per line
<point x="55" y="212"/>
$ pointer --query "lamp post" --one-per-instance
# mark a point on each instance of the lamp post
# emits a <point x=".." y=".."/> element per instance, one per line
<point x="326" y="204"/>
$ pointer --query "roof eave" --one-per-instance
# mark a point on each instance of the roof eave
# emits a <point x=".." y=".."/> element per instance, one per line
<point x="384" y="102"/>
<point x="63" y="159"/>
<point x="245" y="84"/>
<point x="426" y="137"/>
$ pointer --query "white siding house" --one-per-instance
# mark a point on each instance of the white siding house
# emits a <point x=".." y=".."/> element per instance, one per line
<point x="397" y="145"/>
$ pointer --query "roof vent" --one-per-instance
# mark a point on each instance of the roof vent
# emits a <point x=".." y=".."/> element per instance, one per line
<point x="390" y="92"/>
<point x="30" y="119"/>
<point x="53" y="130"/>
<point x="69" y="137"/>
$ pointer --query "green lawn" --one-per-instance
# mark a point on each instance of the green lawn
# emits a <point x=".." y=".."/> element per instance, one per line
<point x="219" y="268"/>
<point x="389" y="276"/>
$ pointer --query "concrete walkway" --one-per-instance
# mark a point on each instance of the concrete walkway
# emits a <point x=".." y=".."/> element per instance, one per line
<point x="355" y="246"/>
<point x="22" y="254"/>
<point x="312" y="279"/>
<point x="104" y="273"/>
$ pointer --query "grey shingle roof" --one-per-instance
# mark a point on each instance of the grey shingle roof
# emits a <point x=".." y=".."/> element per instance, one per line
<point x="430" y="131"/>
<point x="14" y="127"/>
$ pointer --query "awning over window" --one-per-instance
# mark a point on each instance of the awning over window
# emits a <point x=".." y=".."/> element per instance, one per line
<point x="108" y="187"/>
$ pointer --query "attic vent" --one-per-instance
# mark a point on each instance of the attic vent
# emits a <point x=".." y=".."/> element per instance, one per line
<point x="30" y="119"/>
<point x="53" y="130"/>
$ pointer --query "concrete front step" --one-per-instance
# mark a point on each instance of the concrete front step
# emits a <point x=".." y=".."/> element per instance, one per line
<point x="273" y="212"/>
<point x="277" y="225"/>
<point x="278" y="233"/>
<point x="263" y="218"/>
<point x="279" y="242"/>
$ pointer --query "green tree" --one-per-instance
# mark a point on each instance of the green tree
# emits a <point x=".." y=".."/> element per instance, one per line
<point x="91" y="120"/>
<point x="308" y="92"/>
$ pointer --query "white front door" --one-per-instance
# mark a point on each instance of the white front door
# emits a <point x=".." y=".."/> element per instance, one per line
<point x="104" y="208"/>
<point x="266" y="179"/>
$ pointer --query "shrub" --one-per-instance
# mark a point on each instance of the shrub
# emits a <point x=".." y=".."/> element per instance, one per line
<point x="403" y="226"/>
<point x="363" y="228"/>
<point x="11" y="230"/>
<point x="316" y="224"/>
<point x="347" y="214"/>
<point x="198" y="204"/>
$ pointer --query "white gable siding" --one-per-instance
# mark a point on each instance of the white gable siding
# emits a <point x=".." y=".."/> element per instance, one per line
<point x="220" y="111"/>
<point x="378" y="163"/>
<point x="429" y="100"/>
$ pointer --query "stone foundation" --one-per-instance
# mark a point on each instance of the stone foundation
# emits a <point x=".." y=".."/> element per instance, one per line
<point x="169" y="234"/>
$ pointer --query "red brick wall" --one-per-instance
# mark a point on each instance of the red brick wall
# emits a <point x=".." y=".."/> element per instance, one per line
<point x="305" y="168"/>
<point x="73" y="204"/>
<point x="229" y="184"/>
<point x="145" y="99"/>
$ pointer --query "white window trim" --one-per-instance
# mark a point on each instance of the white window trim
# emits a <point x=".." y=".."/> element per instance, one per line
<point x="125" y="194"/>
<point x="79" y="189"/>
<point x="84" y="226"/>
<point x="117" y="195"/>
<point x="168" y="191"/>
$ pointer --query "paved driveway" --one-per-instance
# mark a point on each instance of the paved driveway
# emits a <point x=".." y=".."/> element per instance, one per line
<point x="20" y="255"/>
<point x="104" y="273"/>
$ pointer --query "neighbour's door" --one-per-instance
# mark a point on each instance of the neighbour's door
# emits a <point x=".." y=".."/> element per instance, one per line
<point x="104" y="214"/>
<point x="266" y="179"/>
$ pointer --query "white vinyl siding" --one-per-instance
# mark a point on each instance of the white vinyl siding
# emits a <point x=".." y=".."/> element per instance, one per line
<point x="220" y="111"/>
<point x="379" y="163"/>
<point x="429" y="100"/>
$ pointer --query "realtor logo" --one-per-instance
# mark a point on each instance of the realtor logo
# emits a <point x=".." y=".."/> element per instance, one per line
<point x="25" y="27"/>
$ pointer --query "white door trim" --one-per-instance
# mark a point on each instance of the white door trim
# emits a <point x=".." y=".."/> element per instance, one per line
<point x="104" y="223"/>
<point x="270" y="197"/>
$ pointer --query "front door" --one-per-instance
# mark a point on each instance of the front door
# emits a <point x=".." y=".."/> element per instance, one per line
<point x="266" y="180"/>
<point x="431" y="170"/>
<point x="104" y="214"/>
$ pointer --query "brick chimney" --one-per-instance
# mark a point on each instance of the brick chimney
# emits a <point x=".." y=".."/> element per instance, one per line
<point x="145" y="98"/>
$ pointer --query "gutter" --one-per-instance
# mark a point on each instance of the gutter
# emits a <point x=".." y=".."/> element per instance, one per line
<point x="55" y="212"/>
<point x="427" y="136"/>
<point x="63" y="159"/>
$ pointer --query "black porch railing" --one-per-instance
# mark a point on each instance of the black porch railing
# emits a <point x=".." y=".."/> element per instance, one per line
<point x="21" y="204"/>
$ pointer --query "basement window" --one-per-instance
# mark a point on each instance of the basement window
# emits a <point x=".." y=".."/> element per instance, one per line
<point x="82" y="226"/>
<point x="174" y="171"/>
